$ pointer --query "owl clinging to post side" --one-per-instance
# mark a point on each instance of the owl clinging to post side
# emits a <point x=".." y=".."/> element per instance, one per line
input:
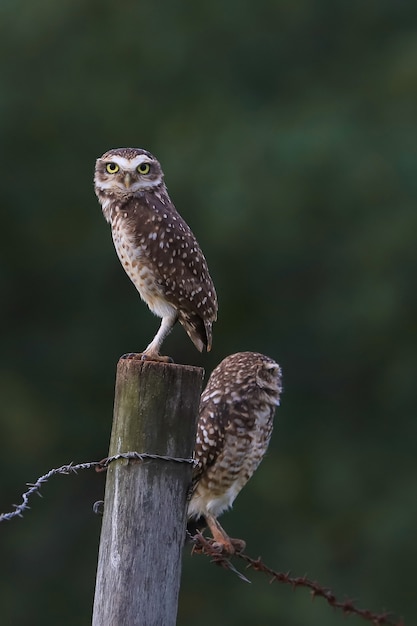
<point x="155" y="246"/>
<point x="234" y="427"/>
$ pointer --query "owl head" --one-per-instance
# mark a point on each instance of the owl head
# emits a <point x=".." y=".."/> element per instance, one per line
<point x="124" y="171"/>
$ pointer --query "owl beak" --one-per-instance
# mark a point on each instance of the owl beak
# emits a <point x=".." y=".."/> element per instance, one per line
<point x="127" y="180"/>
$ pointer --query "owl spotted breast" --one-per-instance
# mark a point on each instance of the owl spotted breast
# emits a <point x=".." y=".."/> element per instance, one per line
<point x="155" y="246"/>
<point x="234" y="428"/>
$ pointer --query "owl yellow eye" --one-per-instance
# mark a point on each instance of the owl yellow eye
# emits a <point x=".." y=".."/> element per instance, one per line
<point x="112" y="168"/>
<point x="143" y="168"/>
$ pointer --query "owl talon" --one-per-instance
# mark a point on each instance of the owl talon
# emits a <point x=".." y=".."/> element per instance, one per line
<point x="156" y="357"/>
<point x="223" y="547"/>
<point x="239" y="545"/>
<point x="228" y="546"/>
<point x="144" y="356"/>
<point x="204" y="544"/>
<point x="132" y="356"/>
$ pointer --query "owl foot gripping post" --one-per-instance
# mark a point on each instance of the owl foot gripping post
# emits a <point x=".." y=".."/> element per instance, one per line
<point x="143" y="356"/>
<point x="155" y="246"/>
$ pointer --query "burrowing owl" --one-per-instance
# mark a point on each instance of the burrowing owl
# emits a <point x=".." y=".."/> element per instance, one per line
<point x="234" y="428"/>
<point x="155" y="246"/>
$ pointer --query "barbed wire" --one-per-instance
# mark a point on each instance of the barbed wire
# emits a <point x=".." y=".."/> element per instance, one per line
<point x="208" y="547"/>
<point x="202" y="545"/>
<point x="70" y="468"/>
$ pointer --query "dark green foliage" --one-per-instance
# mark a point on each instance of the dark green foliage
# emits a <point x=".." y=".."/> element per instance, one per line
<point x="287" y="132"/>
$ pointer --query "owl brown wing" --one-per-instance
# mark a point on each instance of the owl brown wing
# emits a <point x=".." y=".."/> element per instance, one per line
<point x="242" y="386"/>
<point x="224" y="424"/>
<point x="210" y="438"/>
<point x="176" y="258"/>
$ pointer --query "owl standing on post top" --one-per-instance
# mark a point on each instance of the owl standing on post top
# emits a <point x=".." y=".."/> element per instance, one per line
<point x="155" y="246"/>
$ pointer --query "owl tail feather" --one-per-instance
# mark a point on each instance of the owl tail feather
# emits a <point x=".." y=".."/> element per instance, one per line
<point x="198" y="330"/>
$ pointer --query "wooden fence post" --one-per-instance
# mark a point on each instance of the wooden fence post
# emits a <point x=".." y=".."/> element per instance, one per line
<point x="143" y="528"/>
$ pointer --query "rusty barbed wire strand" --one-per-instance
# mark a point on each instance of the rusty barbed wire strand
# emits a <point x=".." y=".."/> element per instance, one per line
<point x="70" y="468"/>
<point x="205" y="546"/>
<point x="202" y="545"/>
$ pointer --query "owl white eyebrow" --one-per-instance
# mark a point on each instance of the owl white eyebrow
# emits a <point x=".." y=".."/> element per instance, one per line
<point x="130" y="164"/>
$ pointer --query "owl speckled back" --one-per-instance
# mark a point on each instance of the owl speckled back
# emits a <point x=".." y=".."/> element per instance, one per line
<point x="234" y="429"/>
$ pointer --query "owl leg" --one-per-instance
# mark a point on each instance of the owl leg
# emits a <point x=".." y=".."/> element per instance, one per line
<point x="151" y="353"/>
<point x="221" y="538"/>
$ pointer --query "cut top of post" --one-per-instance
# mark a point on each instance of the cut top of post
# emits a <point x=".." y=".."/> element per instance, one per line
<point x="150" y="399"/>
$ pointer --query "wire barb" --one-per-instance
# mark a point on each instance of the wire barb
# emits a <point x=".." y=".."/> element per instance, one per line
<point x="70" y="468"/>
<point x="202" y="545"/>
<point x="205" y="546"/>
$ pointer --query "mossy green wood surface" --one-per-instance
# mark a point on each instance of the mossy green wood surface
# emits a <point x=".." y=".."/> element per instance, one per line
<point x="143" y="529"/>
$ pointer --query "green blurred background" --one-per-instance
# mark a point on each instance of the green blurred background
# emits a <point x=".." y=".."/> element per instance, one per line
<point x="288" y="136"/>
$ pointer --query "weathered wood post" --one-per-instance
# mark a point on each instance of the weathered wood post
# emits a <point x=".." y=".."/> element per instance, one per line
<point x="143" y="528"/>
